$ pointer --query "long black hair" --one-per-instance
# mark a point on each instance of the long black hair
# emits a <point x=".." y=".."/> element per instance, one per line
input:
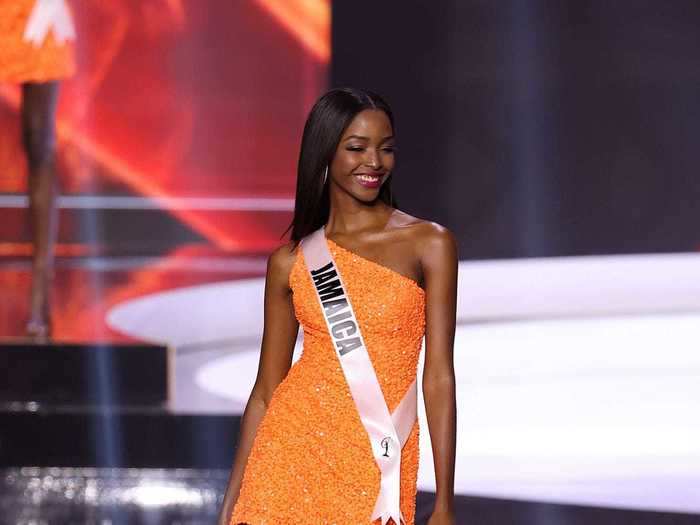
<point x="325" y="125"/>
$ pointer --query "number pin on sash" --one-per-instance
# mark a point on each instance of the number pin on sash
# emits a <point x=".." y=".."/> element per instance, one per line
<point x="385" y="444"/>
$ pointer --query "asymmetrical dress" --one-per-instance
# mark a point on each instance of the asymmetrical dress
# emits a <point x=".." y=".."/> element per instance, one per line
<point x="311" y="460"/>
<point x="22" y="61"/>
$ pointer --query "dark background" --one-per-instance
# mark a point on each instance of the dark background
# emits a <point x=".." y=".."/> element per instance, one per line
<point x="538" y="128"/>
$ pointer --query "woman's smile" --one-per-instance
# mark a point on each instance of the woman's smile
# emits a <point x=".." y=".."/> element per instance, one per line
<point x="369" y="180"/>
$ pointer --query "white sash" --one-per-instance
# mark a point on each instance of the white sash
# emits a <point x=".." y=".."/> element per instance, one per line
<point x="49" y="15"/>
<point x="387" y="432"/>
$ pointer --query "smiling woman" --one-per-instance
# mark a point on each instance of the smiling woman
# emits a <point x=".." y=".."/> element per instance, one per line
<point x="366" y="151"/>
<point x="334" y="437"/>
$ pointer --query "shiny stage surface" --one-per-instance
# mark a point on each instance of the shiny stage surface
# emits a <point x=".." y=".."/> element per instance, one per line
<point x="91" y="496"/>
<point x="577" y="377"/>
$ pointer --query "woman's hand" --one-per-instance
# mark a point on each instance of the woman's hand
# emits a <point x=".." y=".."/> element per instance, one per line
<point x="442" y="517"/>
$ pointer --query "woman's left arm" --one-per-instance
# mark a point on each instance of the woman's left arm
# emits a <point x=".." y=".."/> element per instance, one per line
<point x="439" y="260"/>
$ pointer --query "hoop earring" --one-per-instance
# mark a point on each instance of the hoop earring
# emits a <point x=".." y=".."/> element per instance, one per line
<point x="387" y="189"/>
<point x="325" y="175"/>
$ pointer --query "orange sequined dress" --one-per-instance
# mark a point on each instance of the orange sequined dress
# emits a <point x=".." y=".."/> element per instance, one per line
<point x="311" y="461"/>
<point x="21" y="61"/>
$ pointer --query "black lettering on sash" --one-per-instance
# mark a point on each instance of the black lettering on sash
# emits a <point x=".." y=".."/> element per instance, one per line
<point x="348" y="326"/>
<point x="340" y="317"/>
<point x="323" y="269"/>
<point x="333" y="307"/>
<point x="348" y="345"/>
<point x="322" y="278"/>
<point x="336" y="308"/>
<point x="330" y="290"/>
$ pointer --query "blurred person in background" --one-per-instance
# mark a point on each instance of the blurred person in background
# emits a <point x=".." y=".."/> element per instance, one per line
<point x="36" y="52"/>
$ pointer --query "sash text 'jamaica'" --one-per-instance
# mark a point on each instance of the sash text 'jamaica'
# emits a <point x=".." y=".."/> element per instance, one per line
<point x="336" y="308"/>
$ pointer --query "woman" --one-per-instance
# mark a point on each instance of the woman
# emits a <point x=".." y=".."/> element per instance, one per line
<point x="307" y="451"/>
<point x="36" y="51"/>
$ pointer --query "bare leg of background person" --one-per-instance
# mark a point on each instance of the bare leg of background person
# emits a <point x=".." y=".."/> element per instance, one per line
<point x="39" y="139"/>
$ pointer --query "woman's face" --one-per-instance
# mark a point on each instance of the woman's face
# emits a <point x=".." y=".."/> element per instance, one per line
<point x="365" y="155"/>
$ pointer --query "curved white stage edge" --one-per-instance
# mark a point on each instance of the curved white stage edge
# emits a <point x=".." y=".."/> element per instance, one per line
<point x="578" y="378"/>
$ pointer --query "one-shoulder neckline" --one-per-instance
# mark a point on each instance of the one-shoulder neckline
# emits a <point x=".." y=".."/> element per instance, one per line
<point x="374" y="263"/>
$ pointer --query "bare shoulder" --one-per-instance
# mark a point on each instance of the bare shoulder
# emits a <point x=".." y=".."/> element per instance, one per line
<point x="437" y="246"/>
<point x="280" y="263"/>
<point x="428" y="237"/>
<point x="434" y="236"/>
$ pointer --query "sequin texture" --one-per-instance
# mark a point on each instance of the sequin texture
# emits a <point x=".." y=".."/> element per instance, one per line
<point x="22" y="61"/>
<point x="311" y="460"/>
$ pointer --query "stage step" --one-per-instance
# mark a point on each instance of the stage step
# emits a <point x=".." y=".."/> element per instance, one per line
<point x="84" y="375"/>
<point x="134" y="437"/>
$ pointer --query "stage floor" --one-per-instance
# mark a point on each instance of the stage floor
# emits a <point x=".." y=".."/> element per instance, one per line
<point x="192" y="497"/>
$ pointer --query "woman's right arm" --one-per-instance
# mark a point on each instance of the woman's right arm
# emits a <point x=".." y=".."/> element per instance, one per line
<point x="279" y="337"/>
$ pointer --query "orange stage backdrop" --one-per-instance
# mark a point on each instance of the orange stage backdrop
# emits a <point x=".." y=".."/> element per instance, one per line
<point x="178" y="139"/>
<point x="193" y="99"/>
